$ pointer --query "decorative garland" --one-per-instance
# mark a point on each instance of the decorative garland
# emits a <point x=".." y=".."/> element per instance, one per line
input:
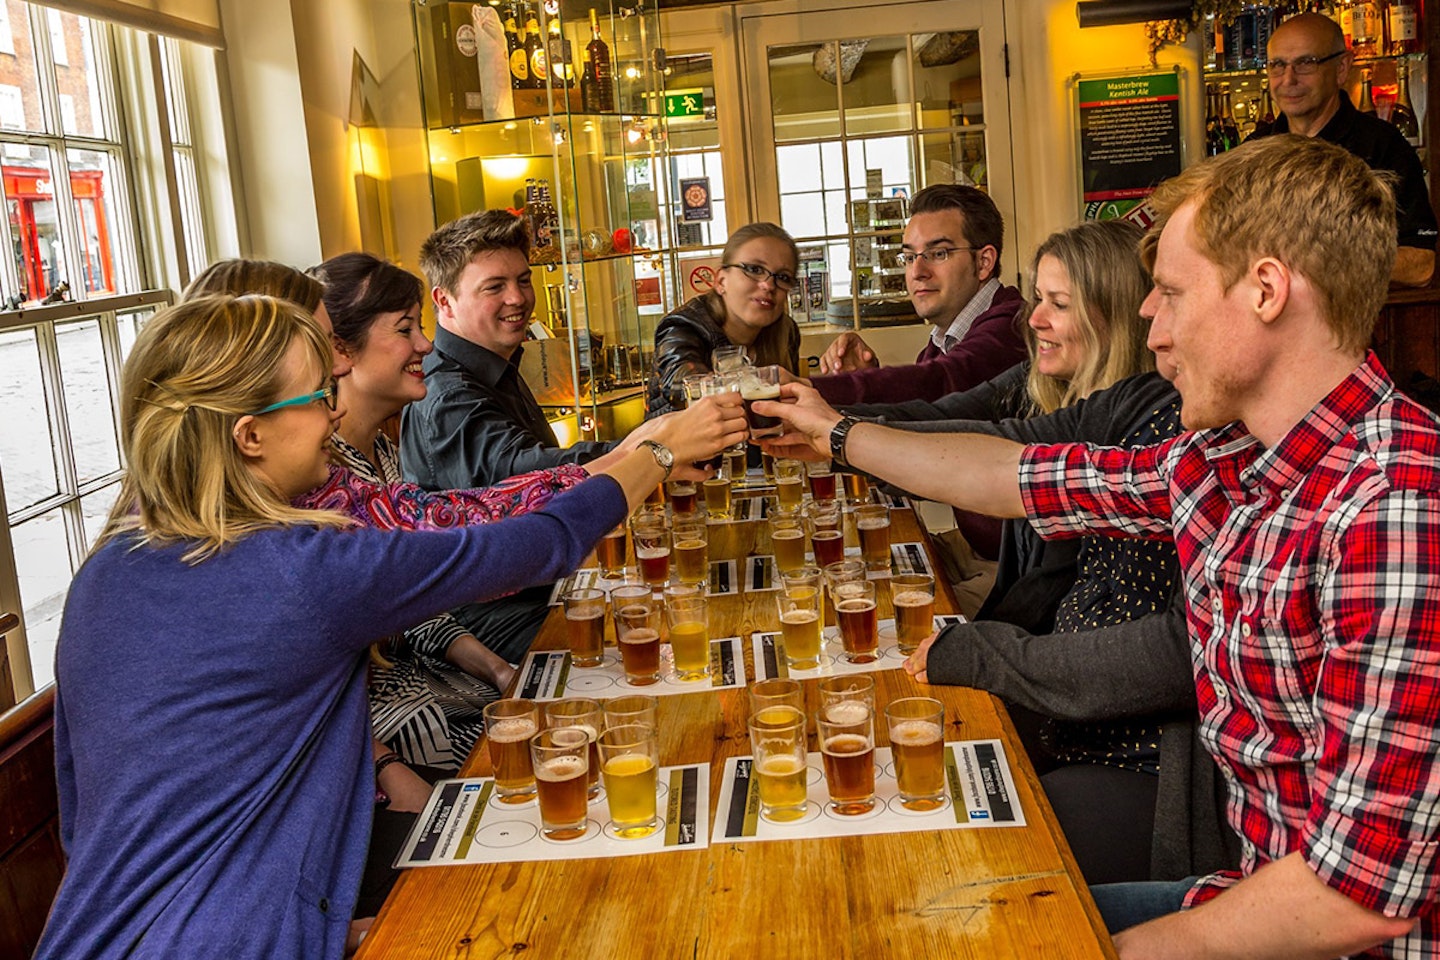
<point x="1160" y="32"/>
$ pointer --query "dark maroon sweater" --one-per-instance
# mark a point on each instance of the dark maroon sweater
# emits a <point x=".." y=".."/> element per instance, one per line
<point x="992" y="345"/>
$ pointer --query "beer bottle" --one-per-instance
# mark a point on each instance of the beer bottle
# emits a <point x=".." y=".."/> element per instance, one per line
<point x="1403" y="113"/>
<point x="1228" y="131"/>
<point x="515" y="46"/>
<point x="535" y="50"/>
<point x="603" y="77"/>
<point x="562" y="64"/>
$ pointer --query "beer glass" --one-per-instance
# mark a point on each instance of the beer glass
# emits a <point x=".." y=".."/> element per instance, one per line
<point x="917" y="735"/>
<point x="822" y="480"/>
<point x="695" y="387"/>
<point x="720" y="382"/>
<point x="872" y="523"/>
<point x="845" y="693"/>
<point x="585" y="620"/>
<point x="717" y="495"/>
<point x="610" y="553"/>
<point x="631" y="709"/>
<point x="688" y="617"/>
<point x="630" y="758"/>
<point x="656" y="497"/>
<point x="562" y="762"/>
<point x="855" y="613"/>
<point x="736" y="465"/>
<point x="652" y="547"/>
<point x="846" y="571"/>
<point x="760" y="383"/>
<point x="683" y="497"/>
<point x="798" y="603"/>
<point x="767" y="466"/>
<point x="827" y="538"/>
<point x="728" y="358"/>
<point x="787" y="538"/>
<point x="777" y="745"/>
<point x="776" y="692"/>
<point x="913" y="596"/>
<point x="857" y="488"/>
<point x="690" y="552"/>
<point x="509" y="725"/>
<point x="789" y="482"/>
<point x="637" y="632"/>
<point x="847" y="746"/>
<point x="584" y="714"/>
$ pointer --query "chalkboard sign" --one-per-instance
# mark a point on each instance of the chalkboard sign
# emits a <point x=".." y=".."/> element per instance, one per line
<point x="1129" y="135"/>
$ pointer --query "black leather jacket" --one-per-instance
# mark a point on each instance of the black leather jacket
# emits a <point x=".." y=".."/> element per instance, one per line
<point x="683" y="343"/>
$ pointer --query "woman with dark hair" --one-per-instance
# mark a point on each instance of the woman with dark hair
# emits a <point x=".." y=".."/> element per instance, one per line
<point x="746" y="308"/>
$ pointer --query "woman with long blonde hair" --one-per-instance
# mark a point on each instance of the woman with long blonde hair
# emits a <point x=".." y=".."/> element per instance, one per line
<point x="212" y="728"/>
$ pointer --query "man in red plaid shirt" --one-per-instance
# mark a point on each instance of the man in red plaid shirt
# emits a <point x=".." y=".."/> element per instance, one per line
<point x="1305" y="506"/>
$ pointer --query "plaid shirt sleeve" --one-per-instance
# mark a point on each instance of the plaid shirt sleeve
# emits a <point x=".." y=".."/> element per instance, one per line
<point x="1073" y="490"/>
<point x="1375" y="808"/>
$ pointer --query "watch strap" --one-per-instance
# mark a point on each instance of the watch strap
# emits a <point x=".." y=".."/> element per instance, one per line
<point x="664" y="458"/>
<point x="838" y="435"/>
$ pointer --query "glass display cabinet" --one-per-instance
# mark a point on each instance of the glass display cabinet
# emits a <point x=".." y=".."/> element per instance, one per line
<point x="555" y="110"/>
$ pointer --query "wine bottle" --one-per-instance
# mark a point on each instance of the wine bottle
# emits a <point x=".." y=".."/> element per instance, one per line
<point x="1405" y="28"/>
<point x="602" y="72"/>
<point x="1228" y="131"/>
<point x="1367" y="102"/>
<point x="1366" y="28"/>
<point x="1402" y="114"/>
<point x="519" y="59"/>
<point x="535" y="50"/>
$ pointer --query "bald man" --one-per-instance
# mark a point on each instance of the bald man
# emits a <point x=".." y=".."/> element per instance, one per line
<point x="1308" y="67"/>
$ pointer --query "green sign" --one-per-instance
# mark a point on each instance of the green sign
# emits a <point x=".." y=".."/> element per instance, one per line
<point x="689" y="103"/>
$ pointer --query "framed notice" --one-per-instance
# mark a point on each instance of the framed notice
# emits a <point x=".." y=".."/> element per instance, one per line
<point x="695" y="200"/>
<point x="1129" y="127"/>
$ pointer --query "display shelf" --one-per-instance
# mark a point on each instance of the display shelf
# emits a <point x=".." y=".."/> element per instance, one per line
<point x="587" y="166"/>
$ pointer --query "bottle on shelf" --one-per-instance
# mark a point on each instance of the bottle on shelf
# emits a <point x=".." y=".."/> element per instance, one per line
<point x="600" y="70"/>
<point x="1367" y="102"/>
<point x="1214" y="141"/>
<point x="535" y="50"/>
<point x="562" y="61"/>
<point x="1342" y="15"/>
<point x="1404" y="27"/>
<point x="1402" y="114"/>
<point x="1367" y="29"/>
<point x="519" y="59"/>
<point x="1228" y="131"/>
<point x="1265" y="115"/>
<point x="544" y="221"/>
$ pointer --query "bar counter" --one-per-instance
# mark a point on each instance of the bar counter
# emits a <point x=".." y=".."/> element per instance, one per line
<point x="983" y="893"/>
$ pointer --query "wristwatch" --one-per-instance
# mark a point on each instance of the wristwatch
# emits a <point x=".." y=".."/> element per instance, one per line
<point x="838" y="435"/>
<point x="662" y="455"/>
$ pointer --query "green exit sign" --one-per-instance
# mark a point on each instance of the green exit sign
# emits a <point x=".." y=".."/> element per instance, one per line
<point x="685" y="104"/>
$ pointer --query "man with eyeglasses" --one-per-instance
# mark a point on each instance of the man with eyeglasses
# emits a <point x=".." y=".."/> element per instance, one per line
<point x="1308" y="66"/>
<point x="951" y="256"/>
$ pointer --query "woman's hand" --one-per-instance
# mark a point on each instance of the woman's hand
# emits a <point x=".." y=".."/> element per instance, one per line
<point x="703" y="429"/>
<point x="808" y="422"/>
<point x="407" y="790"/>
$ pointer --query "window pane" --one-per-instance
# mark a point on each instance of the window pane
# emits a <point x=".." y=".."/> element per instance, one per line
<point x="93" y="183"/>
<point x="176" y="104"/>
<point x="27" y="448"/>
<point x="87" y="399"/>
<point x="78" y="77"/>
<point x="95" y="509"/>
<point x="877" y="94"/>
<point x="21" y="76"/>
<point x="803" y="214"/>
<point x="130" y="325"/>
<point x="804" y="104"/>
<point x="43" y="561"/>
<point x="30" y="200"/>
<point x="798" y="168"/>
<point x="192" y="219"/>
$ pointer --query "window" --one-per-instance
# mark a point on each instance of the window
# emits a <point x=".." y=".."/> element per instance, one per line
<point x="74" y="234"/>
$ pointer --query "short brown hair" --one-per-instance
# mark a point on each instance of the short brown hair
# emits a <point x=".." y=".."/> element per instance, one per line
<point x="984" y="227"/>
<point x="237" y="277"/>
<point x="1315" y="207"/>
<point x="448" y="251"/>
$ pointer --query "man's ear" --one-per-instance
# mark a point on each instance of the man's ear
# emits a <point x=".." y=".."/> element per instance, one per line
<point x="247" y="433"/>
<point x="988" y="259"/>
<point x="1272" y="281"/>
<point x="441" y="299"/>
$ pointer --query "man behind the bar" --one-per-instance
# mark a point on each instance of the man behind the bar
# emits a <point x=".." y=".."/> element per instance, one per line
<point x="1308" y="67"/>
<point x="951" y="250"/>
<point x="1305" y="508"/>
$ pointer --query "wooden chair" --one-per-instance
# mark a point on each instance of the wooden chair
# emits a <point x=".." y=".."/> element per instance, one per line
<point x="31" y="859"/>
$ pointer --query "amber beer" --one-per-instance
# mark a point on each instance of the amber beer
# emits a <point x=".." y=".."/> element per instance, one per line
<point x="849" y="772"/>
<point x="874" y="529"/>
<point x="692" y="560"/>
<point x="856" y="616"/>
<point x="828" y="546"/>
<point x="509" y="744"/>
<point x="857" y="488"/>
<point x="640" y="653"/>
<point x="610" y="553"/>
<point x="563" y="795"/>
<point x="717" y="496"/>
<point x="682" y="497"/>
<point x="918" y="747"/>
<point x="788" y="545"/>
<point x="913" y="596"/>
<point x="587" y="636"/>
<point x="737" y="465"/>
<point x="822" y="481"/>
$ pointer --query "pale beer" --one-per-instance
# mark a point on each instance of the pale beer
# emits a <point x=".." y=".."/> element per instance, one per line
<point x="690" y="645"/>
<point x="801" y="632"/>
<point x="717" y="497"/>
<point x="789" y="490"/>
<point x="783" y="784"/>
<point x="788" y="545"/>
<point x="691" y="560"/>
<point x="630" y="791"/>
<point x="918" y="748"/>
<point x="857" y="488"/>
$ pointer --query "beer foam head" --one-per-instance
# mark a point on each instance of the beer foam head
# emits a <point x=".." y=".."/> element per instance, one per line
<point x="847" y="711"/>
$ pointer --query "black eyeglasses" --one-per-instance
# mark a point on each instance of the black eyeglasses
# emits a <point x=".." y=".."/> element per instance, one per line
<point x="325" y="393"/>
<point x="784" y="279"/>
<point x="1303" y="66"/>
<point x="938" y="255"/>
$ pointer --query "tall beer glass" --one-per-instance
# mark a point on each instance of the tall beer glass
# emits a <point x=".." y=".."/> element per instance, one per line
<point x="632" y="709"/>
<point x="610" y="553"/>
<point x="688" y="617"/>
<point x="913" y="596"/>
<point x="837" y="694"/>
<point x="822" y="480"/>
<point x="509" y="725"/>
<point x="682" y="495"/>
<point x="562" y="762"/>
<point x="691" y="553"/>
<point x="789" y="482"/>
<point x="585" y="621"/>
<point x="630" y="756"/>
<point x="777" y="745"/>
<point x="583" y="714"/>
<point x="917" y="735"/>
<point x="798" y="604"/>
<point x="847" y="745"/>
<point x="787" y="538"/>
<point x="760" y="383"/>
<point x="652" y="547"/>
<point x="776" y="692"/>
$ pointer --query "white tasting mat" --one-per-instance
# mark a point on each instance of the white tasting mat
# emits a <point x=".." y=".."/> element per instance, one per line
<point x="464" y="822"/>
<point x="549" y="674"/>
<point x="768" y="648"/>
<point x="976" y="771"/>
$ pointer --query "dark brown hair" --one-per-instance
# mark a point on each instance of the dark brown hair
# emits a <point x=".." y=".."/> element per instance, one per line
<point x="360" y="287"/>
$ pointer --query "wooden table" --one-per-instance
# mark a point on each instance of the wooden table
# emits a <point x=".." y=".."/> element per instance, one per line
<point x="982" y="893"/>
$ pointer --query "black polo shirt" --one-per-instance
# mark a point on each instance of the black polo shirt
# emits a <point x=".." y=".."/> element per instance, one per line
<point x="479" y="423"/>
<point x="1383" y="147"/>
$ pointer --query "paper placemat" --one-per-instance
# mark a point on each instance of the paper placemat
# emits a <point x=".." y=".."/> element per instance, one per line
<point x="976" y="771"/>
<point x="549" y="674"/>
<point x="464" y="822"/>
<point x="909" y="558"/>
<point x="761" y="574"/>
<point x="768" y="649"/>
<point x="724" y="578"/>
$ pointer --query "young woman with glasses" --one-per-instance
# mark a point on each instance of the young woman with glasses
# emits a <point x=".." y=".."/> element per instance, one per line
<point x="211" y="718"/>
<point x="745" y="308"/>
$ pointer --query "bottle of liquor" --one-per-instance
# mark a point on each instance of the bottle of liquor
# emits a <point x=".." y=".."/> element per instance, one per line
<point x="1402" y="114"/>
<point x="1265" y="119"/>
<point x="545" y="222"/>
<point x="602" y="76"/>
<point x="1228" y="131"/>
<point x="1405" y="28"/>
<point x="562" y="62"/>
<point x="1367" y="28"/>
<point x="1214" y="141"/>
<point x="519" y="60"/>
<point x="1367" y="102"/>
<point x="535" y="50"/>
